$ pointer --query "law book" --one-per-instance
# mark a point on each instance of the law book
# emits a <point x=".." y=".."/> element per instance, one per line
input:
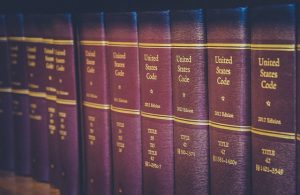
<point x="298" y="100"/>
<point x="7" y="136"/>
<point x="67" y="110"/>
<point x="123" y="61"/>
<point x="37" y="97"/>
<point x="20" y="94"/>
<point x="156" y="102"/>
<point x="273" y="69"/>
<point x="229" y="100"/>
<point x="96" y="103"/>
<point x="50" y="75"/>
<point x="190" y="102"/>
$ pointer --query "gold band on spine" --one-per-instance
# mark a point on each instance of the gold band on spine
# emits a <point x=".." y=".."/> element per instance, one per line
<point x="96" y="105"/>
<point x="21" y="91"/>
<point x="298" y="137"/>
<point x="228" y="45"/>
<point x="155" y="45"/>
<point x="157" y="116"/>
<point x="51" y="97"/>
<point x="5" y="90"/>
<point x="230" y="127"/>
<point x="273" y="47"/>
<point x="93" y="43"/>
<point x="42" y="40"/>
<point x="122" y="44"/>
<point x="66" y="102"/>
<point x="125" y="110"/>
<point x="188" y="45"/>
<point x="190" y="121"/>
<point x="37" y="94"/>
<point x="276" y="134"/>
<point x="2" y="39"/>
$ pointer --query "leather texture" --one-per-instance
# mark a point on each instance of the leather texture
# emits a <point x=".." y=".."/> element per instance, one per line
<point x="67" y="114"/>
<point x="37" y="105"/>
<point x="125" y="94"/>
<point x="229" y="103"/>
<point x="156" y="99"/>
<point x="190" y="101"/>
<point x="7" y="136"/>
<point x="282" y="101"/>
<point x="96" y="122"/>
<point x="15" y="27"/>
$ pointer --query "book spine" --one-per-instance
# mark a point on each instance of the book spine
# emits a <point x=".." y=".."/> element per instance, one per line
<point x="51" y="112"/>
<point x="96" y="104"/>
<point x="273" y="69"/>
<point x="7" y="137"/>
<point x="67" y="104"/>
<point x="229" y="100"/>
<point x="298" y="100"/>
<point x="190" y="102"/>
<point x="156" y="102"/>
<point x="122" y="58"/>
<point x="37" y="97"/>
<point x="20" y="95"/>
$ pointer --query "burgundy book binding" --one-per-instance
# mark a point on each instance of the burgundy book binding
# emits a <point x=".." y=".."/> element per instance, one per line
<point x="51" y="106"/>
<point x="156" y="102"/>
<point x="298" y="100"/>
<point x="273" y="69"/>
<point x="122" y="58"/>
<point x="229" y="100"/>
<point x="37" y="101"/>
<point x="67" y="114"/>
<point x="20" y="95"/>
<point x="96" y="107"/>
<point x="190" y="102"/>
<point x="7" y="136"/>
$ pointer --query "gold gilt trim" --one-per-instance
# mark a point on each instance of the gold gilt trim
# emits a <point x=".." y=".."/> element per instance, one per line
<point x="122" y="44"/>
<point x="188" y="45"/>
<point x="96" y="105"/>
<point x="155" y="45"/>
<point x="5" y="90"/>
<point x="33" y="39"/>
<point x="298" y="137"/>
<point x="228" y="45"/>
<point x="269" y="133"/>
<point x="16" y="39"/>
<point x="273" y="47"/>
<point x="190" y="121"/>
<point x="224" y="126"/>
<point x="37" y="94"/>
<point x="93" y="43"/>
<point x="3" y="38"/>
<point x="66" y="102"/>
<point x="20" y="91"/>
<point x="125" y="110"/>
<point x="51" y="97"/>
<point x="42" y="40"/>
<point x="156" y="116"/>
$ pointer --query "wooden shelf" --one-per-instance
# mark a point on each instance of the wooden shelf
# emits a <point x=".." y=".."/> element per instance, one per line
<point x="10" y="184"/>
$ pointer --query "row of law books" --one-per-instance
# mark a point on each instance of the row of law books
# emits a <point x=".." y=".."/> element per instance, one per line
<point x="199" y="101"/>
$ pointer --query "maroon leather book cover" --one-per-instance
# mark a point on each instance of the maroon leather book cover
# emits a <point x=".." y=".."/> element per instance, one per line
<point x="7" y="136"/>
<point x="67" y="113"/>
<point x="96" y="107"/>
<point x="122" y="58"/>
<point x="298" y="100"/>
<point x="190" y="102"/>
<point x="273" y="68"/>
<point x="20" y="97"/>
<point x="37" y="101"/>
<point x="156" y="102"/>
<point x="229" y="100"/>
<point x="51" y="106"/>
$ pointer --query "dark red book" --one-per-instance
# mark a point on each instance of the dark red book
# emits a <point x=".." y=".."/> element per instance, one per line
<point x="273" y="69"/>
<point x="20" y="97"/>
<point x="156" y="102"/>
<point x="298" y="100"/>
<point x="7" y="136"/>
<point x="37" y="101"/>
<point x="51" y="106"/>
<point x="122" y="58"/>
<point x="229" y="100"/>
<point x="190" y="102"/>
<point x="96" y="107"/>
<point x="67" y="113"/>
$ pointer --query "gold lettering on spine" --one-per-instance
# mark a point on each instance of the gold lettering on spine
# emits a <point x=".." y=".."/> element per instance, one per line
<point x="221" y="156"/>
<point x="269" y="77"/>
<point x="91" y="126"/>
<point x="268" y="155"/>
<point x="152" y="152"/>
<point x="120" y="144"/>
<point x="184" y="149"/>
